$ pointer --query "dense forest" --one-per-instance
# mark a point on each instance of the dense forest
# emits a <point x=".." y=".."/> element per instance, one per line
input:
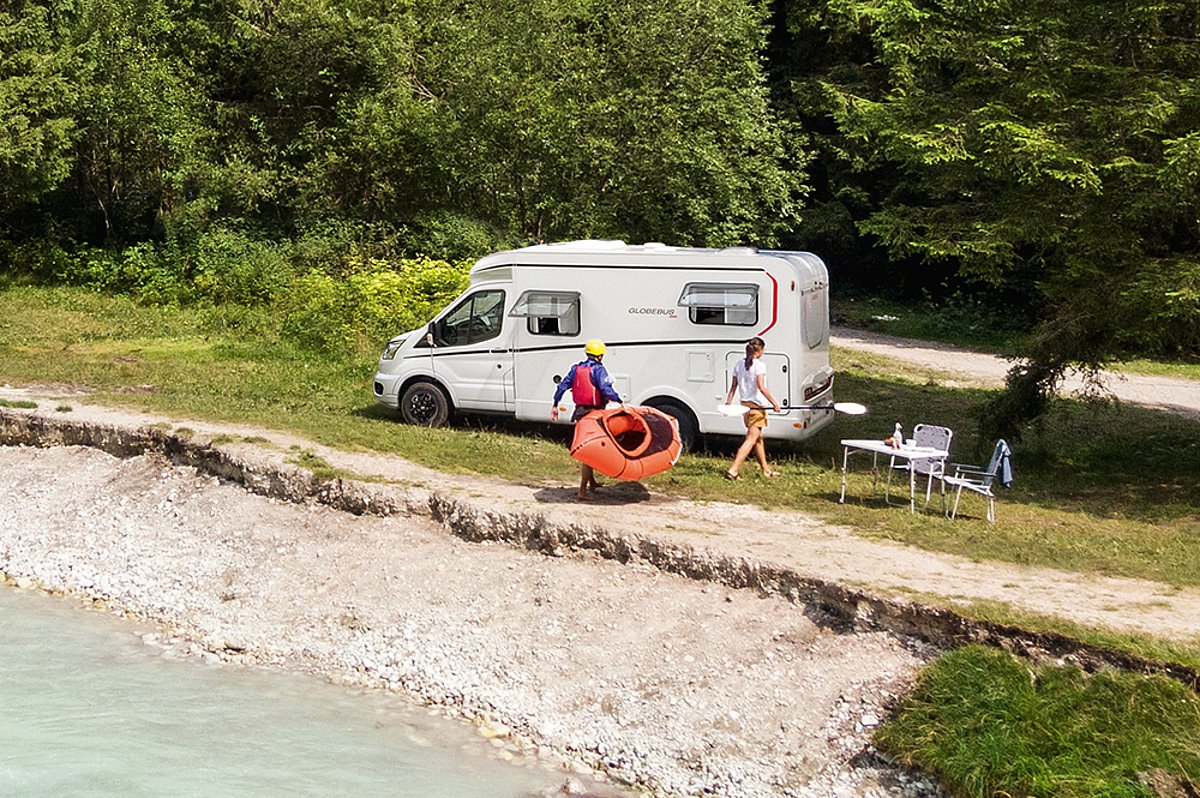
<point x="1040" y="156"/>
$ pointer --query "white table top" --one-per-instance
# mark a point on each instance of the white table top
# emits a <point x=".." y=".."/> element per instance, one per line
<point x="907" y="451"/>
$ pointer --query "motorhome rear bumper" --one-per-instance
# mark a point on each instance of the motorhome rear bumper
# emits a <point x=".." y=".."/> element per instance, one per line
<point x="798" y="424"/>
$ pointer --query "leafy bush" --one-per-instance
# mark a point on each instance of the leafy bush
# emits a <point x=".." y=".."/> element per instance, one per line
<point x="375" y="300"/>
<point x="453" y="236"/>
<point x="140" y="271"/>
<point x="332" y="245"/>
<point x="971" y="318"/>
<point x="230" y="266"/>
<point x="1164" y="306"/>
<point x="36" y="261"/>
<point x="217" y="266"/>
<point x="350" y="303"/>
<point x="311" y="310"/>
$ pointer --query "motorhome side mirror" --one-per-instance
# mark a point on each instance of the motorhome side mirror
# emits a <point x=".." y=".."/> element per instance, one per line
<point x="429" y="338"/>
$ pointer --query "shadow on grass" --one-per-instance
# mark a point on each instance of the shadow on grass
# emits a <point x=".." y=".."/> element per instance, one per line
<point x="609" y="493"/>
<point x="375" y="412"/>
<point x="1097" y="457"/>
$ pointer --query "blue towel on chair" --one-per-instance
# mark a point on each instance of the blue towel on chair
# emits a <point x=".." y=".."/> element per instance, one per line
<point x="1005" y="472"/>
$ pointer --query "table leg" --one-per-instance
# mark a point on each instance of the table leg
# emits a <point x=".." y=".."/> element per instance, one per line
<point x="912" y="487"/>
<point x="845" y="458"/>
<point x="887" y="490"/>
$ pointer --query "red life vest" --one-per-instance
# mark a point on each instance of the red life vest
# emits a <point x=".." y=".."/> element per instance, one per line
<point x="583" y="390"/>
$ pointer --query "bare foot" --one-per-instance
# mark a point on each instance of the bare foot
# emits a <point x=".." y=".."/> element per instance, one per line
<point x="583" y="497"/>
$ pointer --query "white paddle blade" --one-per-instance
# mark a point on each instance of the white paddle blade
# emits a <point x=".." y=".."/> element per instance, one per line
<point x="850" y="408"/>
<point x="732" y="410"/>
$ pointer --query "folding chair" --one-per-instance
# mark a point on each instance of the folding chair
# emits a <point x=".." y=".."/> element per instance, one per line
<point x="933" y="437"/>
<point x="980" y="480"/>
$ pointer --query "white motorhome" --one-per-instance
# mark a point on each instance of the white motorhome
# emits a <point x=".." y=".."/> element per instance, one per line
<point x="675" y="320"/>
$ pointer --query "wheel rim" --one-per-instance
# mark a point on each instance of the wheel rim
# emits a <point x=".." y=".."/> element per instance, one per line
<point x="422" y="407"/>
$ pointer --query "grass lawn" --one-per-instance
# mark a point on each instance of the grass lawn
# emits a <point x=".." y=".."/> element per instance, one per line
<point x="975" y="326"/>
<point x="988" y="724"/>
<point x="1100" y="489"/>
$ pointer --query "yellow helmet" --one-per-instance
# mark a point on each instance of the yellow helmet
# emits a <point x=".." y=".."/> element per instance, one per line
<point x="594" y="347"/>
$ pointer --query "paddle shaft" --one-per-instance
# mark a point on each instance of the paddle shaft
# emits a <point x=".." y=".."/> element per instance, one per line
<point x="853" y="408"/>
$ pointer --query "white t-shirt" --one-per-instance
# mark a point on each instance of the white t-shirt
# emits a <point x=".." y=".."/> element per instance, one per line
<point x="747" y="380"/>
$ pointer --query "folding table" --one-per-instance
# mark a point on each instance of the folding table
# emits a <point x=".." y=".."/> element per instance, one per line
<point x="878" y="447"/>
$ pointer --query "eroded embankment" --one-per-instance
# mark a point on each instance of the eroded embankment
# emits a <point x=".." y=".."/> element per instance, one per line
<point x="468" y="520"/>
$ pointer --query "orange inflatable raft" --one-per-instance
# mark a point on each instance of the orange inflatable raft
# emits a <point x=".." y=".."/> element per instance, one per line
<point x="627" y="442"/>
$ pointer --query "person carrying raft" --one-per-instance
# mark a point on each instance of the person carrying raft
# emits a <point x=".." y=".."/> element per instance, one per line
<point x="591" y="389"/>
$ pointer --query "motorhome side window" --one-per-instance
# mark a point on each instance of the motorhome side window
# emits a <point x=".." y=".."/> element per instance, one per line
<point x="549" y="312"/>
<point x="721" y="303"/>
<point x="477" y="318"/>
<point x="816" y="322"/>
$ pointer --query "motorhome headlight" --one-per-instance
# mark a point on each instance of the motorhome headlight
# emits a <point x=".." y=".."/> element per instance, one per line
<point x="393" y="346"/>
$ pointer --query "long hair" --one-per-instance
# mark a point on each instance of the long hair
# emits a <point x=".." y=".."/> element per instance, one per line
<point x="754" y="346"/>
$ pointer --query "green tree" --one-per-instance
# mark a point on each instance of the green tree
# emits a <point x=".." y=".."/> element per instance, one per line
<point x="36" y="101"/>
<point x="139" y="117"/>
<point x="1053" y="140"/>
<point x="575" y="118"/>
<point x="292" y="88"/>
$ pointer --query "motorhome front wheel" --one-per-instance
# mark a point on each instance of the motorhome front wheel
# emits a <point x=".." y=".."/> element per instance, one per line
<point x="424" y="405"/>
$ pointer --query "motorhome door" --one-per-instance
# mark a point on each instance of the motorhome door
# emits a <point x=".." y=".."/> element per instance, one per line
<point x="472" y="352"/>
<point x="778" y="376"/>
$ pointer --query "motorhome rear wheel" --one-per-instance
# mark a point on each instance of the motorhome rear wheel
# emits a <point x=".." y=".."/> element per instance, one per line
<point x="689" y="433"/>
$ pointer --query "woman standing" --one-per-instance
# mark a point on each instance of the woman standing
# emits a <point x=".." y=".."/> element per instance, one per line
<point x="750" y="383"/>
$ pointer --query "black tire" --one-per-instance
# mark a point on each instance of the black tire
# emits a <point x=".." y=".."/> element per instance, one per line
<point x="689" y="430"/>
<point x="424" y="405"/>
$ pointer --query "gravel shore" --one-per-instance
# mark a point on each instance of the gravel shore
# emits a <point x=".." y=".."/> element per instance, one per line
<point x="618" y="671"/>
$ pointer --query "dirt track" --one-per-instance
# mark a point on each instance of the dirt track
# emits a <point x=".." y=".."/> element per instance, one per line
<point x="789" y="540"/>
<point x="681" y="685"/>
<point x="1165" y="393"/>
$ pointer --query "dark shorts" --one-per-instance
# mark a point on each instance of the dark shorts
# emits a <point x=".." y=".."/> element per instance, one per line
<point x="581" y="411"/>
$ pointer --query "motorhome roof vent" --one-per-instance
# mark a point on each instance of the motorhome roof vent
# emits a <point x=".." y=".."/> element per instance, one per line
<point x="740" y="251"/>
<point x="656" y="245"/>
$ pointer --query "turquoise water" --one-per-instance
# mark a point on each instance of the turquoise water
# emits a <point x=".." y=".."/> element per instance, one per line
<point x="87" y="710"/>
